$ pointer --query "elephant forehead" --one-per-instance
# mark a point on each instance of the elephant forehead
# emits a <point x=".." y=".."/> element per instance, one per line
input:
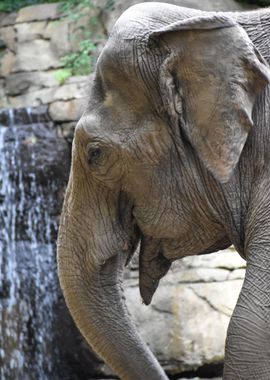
<point x="126" y="47"/>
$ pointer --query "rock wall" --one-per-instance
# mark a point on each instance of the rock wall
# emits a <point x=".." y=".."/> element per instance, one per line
<point x="186" y="324"/>
<point x="32" y="43"/>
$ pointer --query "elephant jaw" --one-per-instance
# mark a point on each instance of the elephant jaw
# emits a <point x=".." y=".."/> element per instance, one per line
<point x="152" y="267"/>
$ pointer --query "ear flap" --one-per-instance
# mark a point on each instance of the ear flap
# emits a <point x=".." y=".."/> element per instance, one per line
<point x="209" y="83"/>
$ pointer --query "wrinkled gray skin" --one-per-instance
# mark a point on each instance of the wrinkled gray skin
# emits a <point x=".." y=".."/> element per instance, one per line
<point x="172" y="151"/>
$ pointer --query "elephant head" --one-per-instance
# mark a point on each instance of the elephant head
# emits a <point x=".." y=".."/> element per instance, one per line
<point x="168" y="116"/>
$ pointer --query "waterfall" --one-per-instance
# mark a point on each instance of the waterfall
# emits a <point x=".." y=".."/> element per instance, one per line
<point x="29" y="211"/>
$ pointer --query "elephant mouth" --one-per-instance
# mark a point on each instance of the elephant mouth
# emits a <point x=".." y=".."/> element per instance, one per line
<point x="153" y="265"/>
<point x="156" y="256"/>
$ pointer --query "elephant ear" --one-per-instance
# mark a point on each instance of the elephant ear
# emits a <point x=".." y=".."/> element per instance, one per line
<point x="209" y="82"/>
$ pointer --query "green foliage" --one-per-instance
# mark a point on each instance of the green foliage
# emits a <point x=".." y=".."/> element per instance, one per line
<point x="62" y="75"/>
<point x="69" y="6"/>
<point x="261" y="3"/>
<point x="110" y="4"/>
<point x="15" y="5"/>
<point x="80" y="63"/>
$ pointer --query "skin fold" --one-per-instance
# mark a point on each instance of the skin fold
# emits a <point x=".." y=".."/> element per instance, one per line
<point x="172" y="152"/>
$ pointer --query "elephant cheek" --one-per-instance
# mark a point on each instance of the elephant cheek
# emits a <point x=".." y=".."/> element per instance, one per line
<point x="153" y="266"/>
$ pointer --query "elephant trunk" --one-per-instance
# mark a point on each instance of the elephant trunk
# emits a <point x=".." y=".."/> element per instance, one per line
<point x="95" y="298"/>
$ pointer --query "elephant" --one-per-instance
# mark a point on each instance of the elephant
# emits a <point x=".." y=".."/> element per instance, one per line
<point x="171" y="155"/>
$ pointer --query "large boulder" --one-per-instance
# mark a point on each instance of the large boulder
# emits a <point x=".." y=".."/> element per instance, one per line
<point x="39" y="12"/>
<point x="187" y="321"/>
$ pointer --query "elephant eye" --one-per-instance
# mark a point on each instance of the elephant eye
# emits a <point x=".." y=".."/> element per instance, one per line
<point x="94" y="155"/>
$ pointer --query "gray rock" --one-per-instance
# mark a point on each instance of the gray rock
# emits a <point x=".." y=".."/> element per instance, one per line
<point x="19" y="83"/>
<point x="227" y="259"/>
<point x="75" y="90"/>
<point x="8" y="36"/>
<point x="33" y="98"/>
<point x="39" y="12"/>
<point x="7" y="18"/>
<point x="237" y="274"/>
<point x="55" y="31"/>
<point x="7" y="63"/>
<point x="29" y="31"/>
<point x="36" y="96"/>
<point x="80" y="78"/>
<point x="3" y="96"/>
<point x="59" y="34"/>
<point x="186" y="323"/>
<point x="66" y="111"/>
<point x="35" y="55"/>
<point x="194" y="275"/>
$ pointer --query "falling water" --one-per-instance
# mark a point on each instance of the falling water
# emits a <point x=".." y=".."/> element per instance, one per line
<point x="29" y="200"/>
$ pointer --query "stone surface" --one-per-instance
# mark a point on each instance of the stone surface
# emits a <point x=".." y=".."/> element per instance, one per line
<point x="30" y="31"/>
<point x="19" y="83"/>
<point x="7" y="63"/>
<point x="34" y="98"/>
<point x="38" y="12"/>
<point x="37" y="55"/>
<point x="70" y="91"/>
<point x="59" y="35"/>
<point x="227" y="259"/>
<point x="3" y="96"/>
<point x="50" y="94"/>
<point x="186" y="323"/>
<point x="55" y="31"/>
<point x="8" y="36"/>
<point x="7" y="18"/>
<point x="237" y="274"/>
<point x="66" y="111"/>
